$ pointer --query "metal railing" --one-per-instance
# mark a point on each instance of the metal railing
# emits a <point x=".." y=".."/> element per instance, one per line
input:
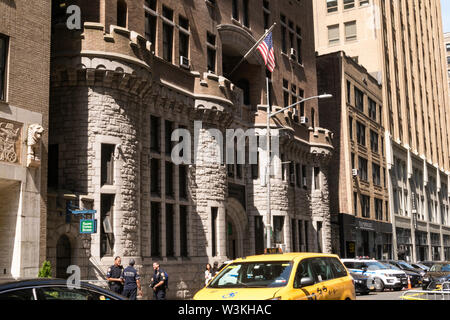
<point x="439" y="294"/>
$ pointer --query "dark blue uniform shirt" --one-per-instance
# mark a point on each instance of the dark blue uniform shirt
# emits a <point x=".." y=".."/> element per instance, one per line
<point x="130" y="275"/>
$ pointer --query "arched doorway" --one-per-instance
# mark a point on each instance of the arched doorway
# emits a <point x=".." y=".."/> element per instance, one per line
<point x="63" y="256"/>
<point x="236" y="225"/>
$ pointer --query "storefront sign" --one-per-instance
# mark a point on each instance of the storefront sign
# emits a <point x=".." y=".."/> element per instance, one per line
<point x="366" y="225"/>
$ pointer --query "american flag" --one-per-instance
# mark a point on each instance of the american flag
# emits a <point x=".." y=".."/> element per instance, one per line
<point x="266" y="50"/>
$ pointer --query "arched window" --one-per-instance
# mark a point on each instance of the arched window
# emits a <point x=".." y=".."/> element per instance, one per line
<point x="122" y="13"/>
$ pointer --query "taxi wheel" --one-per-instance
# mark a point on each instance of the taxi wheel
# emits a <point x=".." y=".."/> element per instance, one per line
<point x="379" y="285"/>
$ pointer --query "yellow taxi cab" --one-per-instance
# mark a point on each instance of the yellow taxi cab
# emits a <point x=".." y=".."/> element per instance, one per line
<point x="288" y="276"/>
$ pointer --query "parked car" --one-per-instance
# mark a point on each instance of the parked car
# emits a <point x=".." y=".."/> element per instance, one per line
<point x="53" y="289"/>
<point x="289" y="276"/>
<point x="438" y="270"/>
<point x="415" y="278"/>
<point x="418" y="265"/>
<point x="429" y="264"/>
<point x="363" y="283"/>
<point x="384" y="277"/>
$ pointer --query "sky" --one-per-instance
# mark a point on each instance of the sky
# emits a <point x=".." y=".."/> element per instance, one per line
<point x="446" y="14"/>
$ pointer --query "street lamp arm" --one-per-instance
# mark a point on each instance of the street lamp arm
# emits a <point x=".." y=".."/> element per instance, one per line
<point x="322" y="96"/>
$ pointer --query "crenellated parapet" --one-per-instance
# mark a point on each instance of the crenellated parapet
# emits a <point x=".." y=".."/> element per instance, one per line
<point x="120" y="58"/>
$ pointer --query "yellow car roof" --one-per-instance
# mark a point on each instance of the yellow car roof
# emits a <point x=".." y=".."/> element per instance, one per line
<point x="282" y="257"/>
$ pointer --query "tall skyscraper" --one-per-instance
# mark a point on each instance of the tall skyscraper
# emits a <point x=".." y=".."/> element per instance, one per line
<point x="415" y="103"/>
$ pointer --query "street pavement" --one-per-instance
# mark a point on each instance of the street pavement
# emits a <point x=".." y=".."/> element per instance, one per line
<point x="387" y="295"/>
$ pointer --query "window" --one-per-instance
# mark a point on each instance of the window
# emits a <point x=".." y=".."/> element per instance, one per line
<point x="376" y="174"/>
<point x="3" y="61"/>
<point x="278" y="223"/>
<point x="349" y="86"/>
<point x="304" y="177"/>
<point x="316" y="178"/>
<point x="245" y="12"/>
<point x="235" y="9"/>
<point x="299" y="46"/>
<point x="333" y="35"/>
<point x="266" y="14"/>
<point x="283" y="34"/>
<point x="211" y="51"/>
<point x="169" y="231"/>
<point x="378" y="209"/>
<point x="286" y="93"/>
<point x="155" y="133"/>
<point x="151" y="4"/>
<point x="362" y="166"/>
<point x="106" y="228"/>
<point x="182" y="179"/>
<point x="332" y="5"/>
<point x="359" y="100"/>
<point x="291" y="174"/>
<point x="363" y="2"/>
<point x="167" y="34"/>
<point x="259" y="235"/>
<point x="184" y="37"/>
<point x="373" y="141"/>
<point x="169" y="179"/>
<point x="66" y="293"/>
<point x="214" y="211"/>
<point x="155" y="187"/>
<point x="304" y="270"/>
<point x="323" y="269"/>
<point x="355" y="204"/>
<point x="122" y="13"/>
<point x="365" y="206"/>
<point x="168" y="128"/>
<point x="155" y="229"/>
<point x="150" y="27"/>
<point x="350" y="31"/>
<point x="18" y="295"/>
<point x="361" y="133"/>
<point x="107" y="164"/>
<point x="294" y="235"/>
<point x="350" y="127"/>
<point x="183" y="231"/>
<point x="372" y="110"/>
<point x="298" y="176"/>
<point x="348" y="4"/>
<point x="338" y="269"/>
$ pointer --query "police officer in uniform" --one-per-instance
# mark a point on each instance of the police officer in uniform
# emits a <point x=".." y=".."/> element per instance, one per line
<point x="132" y="283"/>
<point x="113" y="276"/>
<point x="159" y="282"/>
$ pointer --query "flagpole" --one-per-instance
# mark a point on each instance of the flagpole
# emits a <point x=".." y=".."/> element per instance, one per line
<point x="268" y="160"/>
<point x="252" y="49"/>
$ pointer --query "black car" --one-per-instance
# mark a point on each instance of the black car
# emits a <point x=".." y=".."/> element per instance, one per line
<point x="415" y="275"/>
<point x="363" y="284"/>
<point x="418" y="265"/>
<point x="53" y="289"/>
<point x="437" y="271"/>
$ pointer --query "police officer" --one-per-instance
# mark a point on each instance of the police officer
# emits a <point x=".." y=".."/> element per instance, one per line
<point x="114" y="276"/>
<point x="132" y="283"/>
<point x="159" y="282"/>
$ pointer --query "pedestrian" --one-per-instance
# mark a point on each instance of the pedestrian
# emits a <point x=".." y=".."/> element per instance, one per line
<point x="132" y="283"/>
<point x="215" y="268"/>
<point x="115" y="282"/>
<point x="159" y="282"/>
<point x="208" y="274"/>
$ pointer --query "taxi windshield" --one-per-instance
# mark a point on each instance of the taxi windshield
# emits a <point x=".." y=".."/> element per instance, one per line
<point x="254" y="275"/>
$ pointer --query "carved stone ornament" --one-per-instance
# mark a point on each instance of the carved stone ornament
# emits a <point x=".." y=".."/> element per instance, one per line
<point x="9" y="142"/>
<point x="35" y="132"/>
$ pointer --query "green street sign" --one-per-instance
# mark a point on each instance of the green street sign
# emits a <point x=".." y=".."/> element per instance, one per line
<point x="88" y="226"/>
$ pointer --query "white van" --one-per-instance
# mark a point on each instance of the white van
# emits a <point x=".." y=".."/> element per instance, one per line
<point x="381" y="274"/>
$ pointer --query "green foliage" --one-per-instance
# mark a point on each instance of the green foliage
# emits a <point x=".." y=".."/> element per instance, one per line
<point x="46" y="270"/>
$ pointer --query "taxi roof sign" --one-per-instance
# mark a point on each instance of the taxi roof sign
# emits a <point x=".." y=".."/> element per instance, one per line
<point x="273" y="251"/>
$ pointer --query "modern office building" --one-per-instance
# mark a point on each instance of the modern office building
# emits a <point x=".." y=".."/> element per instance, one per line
<point x="24" y="104"/>
<point x="359" y="201"/>
<point x="136" y="71"/>
<point x="415" y="99"/>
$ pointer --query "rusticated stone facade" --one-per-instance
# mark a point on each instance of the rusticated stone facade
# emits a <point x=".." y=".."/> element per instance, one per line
<point x="116" y="98"/>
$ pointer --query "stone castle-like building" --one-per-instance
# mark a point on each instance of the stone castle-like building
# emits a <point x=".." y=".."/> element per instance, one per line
<point x="136" y="71"/>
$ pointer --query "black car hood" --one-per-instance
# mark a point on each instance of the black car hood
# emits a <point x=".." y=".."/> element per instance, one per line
<point x="359" y="276"/>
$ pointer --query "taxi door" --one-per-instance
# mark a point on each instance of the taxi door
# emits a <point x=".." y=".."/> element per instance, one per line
<point x="308" y="291"/>
<point x="329" y="286"/>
